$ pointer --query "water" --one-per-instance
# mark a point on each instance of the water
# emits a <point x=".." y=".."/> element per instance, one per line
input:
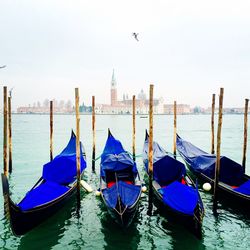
<point x="94" y="229"/>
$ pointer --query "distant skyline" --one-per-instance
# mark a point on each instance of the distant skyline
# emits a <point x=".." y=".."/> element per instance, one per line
<point x="187" y="49"/>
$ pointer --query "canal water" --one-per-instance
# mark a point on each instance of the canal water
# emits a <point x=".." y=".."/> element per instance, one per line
<point x="94" y="229"/>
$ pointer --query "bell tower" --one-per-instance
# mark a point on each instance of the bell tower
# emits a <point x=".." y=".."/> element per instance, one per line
<point x="113" y="92"/>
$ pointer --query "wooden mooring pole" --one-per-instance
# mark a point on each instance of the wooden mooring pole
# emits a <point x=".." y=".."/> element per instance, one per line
<point x="51" y="130"/>
<point x="5" y="131"/>
<point x="175" y="128"/>
<point x="78" y="166"/>
<point x="212" y="123"/>
<point x="133" y="137"/>
<point x="10" y="133"/>
<point x="93" y="130"/>
<point x="217" y="164"/>
<point x="245" y="136"/>
<point x="150" y="148"/>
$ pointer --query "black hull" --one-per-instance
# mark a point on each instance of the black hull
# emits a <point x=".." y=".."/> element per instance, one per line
<point x="225" y="191"/>
<point x="126" y="216"/>
<point x="125" y="219"/>
<point x="23" y="221"/>
<point x="191" y="222"/>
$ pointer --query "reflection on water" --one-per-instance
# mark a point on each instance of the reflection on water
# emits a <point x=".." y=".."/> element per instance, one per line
<point x="49" y="232"/>
<point x="94" y="228"/>
<point x="116" y="237"/>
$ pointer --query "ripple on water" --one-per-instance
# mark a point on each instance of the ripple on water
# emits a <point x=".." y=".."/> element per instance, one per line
<point x="95" y="229"/>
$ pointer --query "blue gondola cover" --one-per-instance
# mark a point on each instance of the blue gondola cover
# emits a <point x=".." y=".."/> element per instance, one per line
<point x="62" y="169"/>
<point x="166" y="168"/>
<point x="115" y="158"/>
<point x="128" y="194"/>
<point x="231" y="172"/>
<point x="244" y="188"/>
<point x="44" y="193"/>
<point x="180" y="197"/>
<point x="57" y="173"/>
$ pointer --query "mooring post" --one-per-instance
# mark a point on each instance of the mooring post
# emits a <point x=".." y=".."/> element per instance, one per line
<point x="10" y="134"/>
<point x="93" y="130"/>
<point x="245" y="135"/>
<point x="212" y="123"/>
<point x="217" y="165"/>
<point x="133" y="136"/>
<point x="5" y="131"/>
<point x="78" y="166"/>
<point x="51" y="130"/>
<point x="150" y="148"/>
<point x="175" y="128"/>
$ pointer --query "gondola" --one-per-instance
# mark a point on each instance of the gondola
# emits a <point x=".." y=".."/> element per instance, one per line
<point x="233" y="182"/>
<point x="173" y="188"/>
<point x="56" y="186"/>
<point x="120" y="184"/>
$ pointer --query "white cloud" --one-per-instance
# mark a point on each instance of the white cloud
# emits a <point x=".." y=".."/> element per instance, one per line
<point x="188" y="49"/>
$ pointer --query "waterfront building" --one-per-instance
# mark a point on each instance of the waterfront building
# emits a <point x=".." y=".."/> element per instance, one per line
<point x="124" y="106"/>
<point x="180" y="109"/>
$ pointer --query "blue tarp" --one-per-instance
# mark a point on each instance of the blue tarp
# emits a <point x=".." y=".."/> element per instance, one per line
<point x="199" y="161"/>
<point x="115" y="158"/>
<point x="62" y="169"/>
<point x="128" y="194"/>
<point x="57" y="173"/>
<point x="244" y="188"/>
<point x="166" y="169"/>
<point x="181" y="198"/>
<point x="44" y="193"/>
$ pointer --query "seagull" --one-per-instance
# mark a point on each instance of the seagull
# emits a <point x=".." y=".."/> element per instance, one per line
<point x="2" y="67"/>
<point x="135" y="35"/>
<point x="10" y="92"/>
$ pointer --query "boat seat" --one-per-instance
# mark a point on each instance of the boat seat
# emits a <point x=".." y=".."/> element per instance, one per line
<point x="42" y="194"/>
<point x="126" y="176"/>
<point x="180" y="197"/>
<point x="244" y="188"/>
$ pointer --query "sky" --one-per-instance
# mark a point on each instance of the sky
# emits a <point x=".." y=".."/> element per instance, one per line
<point x="187" y="49"/>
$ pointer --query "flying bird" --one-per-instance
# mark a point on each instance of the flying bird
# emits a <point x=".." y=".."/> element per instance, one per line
<point x="1" y="67"/>
<point x="135" y="35"/>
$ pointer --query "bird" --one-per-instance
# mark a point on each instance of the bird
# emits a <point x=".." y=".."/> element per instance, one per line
<point x="135" y="35"/>
<point x="2" y="67"/>
<point x="10" y="92"/>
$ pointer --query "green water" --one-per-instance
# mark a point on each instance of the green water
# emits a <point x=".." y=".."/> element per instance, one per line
<point x="94" y="229"/>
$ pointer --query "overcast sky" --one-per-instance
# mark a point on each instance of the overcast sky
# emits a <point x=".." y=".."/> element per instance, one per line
<point x="187" y="49"/>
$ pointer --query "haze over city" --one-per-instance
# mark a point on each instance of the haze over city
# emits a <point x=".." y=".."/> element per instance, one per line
<point x="188" y="49"/>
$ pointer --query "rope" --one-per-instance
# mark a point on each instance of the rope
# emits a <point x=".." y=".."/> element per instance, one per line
<point x="177" y="155"/>
<point x="137" y="156"/>
<point x="96" y="159"/>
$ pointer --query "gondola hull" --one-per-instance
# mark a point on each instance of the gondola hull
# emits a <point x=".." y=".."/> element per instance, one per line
<point x="192" y="222"/>
<point x="225" y="191"/>
<point x="175" y="192"/>
<point x="55" y="187"/>
<point x="123" y="219"/>
<point x="120" y="184"/>
<point x="23" y="221"/>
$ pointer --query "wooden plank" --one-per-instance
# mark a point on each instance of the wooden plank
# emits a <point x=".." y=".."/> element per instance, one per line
<point x="217" y="165"/>
<point x="94" y="133"/>
<point x="212" y="124"/>
<point x="245" y="136"/>
<point x="175" y="128"/>
<point x="78" y="166"/>
<point x="150" y="145"/>
<point x="5" y="132"/>
<point x="51" y="130"/>
<point x="133" y="135"/>
<point x="10" y="134"/>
